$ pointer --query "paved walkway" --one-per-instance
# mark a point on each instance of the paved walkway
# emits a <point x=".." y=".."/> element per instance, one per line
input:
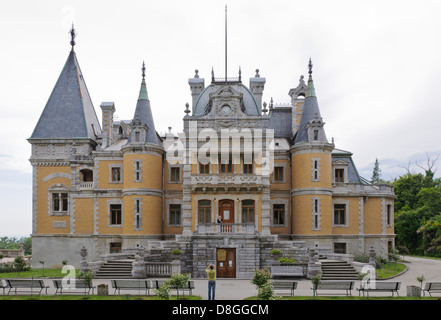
<point x="238" y="289"/>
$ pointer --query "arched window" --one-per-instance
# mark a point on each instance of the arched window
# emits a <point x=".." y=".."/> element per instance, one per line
<point x="86" y="175"/>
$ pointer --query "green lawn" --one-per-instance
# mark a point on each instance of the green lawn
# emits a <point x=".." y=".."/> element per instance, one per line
<point x="36" y="273"/>
<point x="90" y="297"/>
<point x="390" y="269"/>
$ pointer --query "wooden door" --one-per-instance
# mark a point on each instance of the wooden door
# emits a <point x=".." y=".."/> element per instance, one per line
<point x="226" y="263"/>
<point x="226" y="211"/>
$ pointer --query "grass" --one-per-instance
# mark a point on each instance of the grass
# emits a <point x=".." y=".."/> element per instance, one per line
<point x="91" y="297"/>
<point x="390" y="269"/>
<point x="36" y="273"/>
<point x="349" y="298"/>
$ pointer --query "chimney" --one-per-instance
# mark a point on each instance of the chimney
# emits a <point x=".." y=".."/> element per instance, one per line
<point x="257" y="84"/>
<point x="108" y="109"/>
<point x="196" y="86"/>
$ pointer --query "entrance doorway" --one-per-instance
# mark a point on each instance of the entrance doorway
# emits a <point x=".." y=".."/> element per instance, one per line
<point x="226" y="262"/>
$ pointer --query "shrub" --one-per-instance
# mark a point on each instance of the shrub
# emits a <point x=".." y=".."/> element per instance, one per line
<point x="276" y="251"/>
<point x="20" y="264"/>
<point x="261" y="277"/>
<point x="176" y="252"/>
<point x="266" y="292"/>
<point x="286" y="260"/>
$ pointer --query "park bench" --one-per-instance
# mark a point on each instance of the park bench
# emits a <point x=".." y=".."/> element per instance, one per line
<point x="285" y="286"/>
<point x="3" y="286"/>
<point x="188" y="287"/>
<point x="27" y="284"/>
<point x="131" y="284"/>
<point x="327" y="285"/>
<point x="74" y="286"/>
<point x="287" y="271"/>
<point x="432" y="287"/>
<point x="379" y="286"/>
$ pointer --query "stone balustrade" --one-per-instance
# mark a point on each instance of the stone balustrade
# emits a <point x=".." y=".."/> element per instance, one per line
<point x="226" y="228"/>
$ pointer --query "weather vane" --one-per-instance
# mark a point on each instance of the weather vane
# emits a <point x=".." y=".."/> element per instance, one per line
<point x="73" y="34"/>
<point x="143" y="70"/>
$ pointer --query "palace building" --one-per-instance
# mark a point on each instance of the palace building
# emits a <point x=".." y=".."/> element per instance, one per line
<point x="269" y="172"/>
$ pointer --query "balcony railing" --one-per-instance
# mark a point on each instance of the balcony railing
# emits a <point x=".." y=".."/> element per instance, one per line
<point x="86" y="185"/>
<point x="226" y="179"/>
<point x="226" y="228"/>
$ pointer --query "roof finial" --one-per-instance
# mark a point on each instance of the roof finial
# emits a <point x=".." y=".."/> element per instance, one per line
<point x="73" y="34"/>
<point x="143" y="70"/>
<point x="310" y="67"/>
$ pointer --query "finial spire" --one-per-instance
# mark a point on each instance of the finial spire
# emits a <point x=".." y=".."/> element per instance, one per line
<point x="310" y="67"/>
<point x="73" y="34"/>
<point x="310" y="91"/>
<point x="143" y="70"/>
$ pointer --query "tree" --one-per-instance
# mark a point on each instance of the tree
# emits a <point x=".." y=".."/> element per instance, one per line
<point x="376" y="174"/>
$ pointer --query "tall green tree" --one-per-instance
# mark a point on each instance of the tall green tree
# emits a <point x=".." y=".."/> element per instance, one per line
<point x="376" y="173"/>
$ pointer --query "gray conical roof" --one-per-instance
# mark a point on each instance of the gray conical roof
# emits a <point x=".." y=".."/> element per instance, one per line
<point x="311" y="111"/>
<point x="69" y="112"/>
<point x="143" y="114"/>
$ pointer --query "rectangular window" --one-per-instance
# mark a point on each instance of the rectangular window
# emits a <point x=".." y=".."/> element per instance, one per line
<point x="278" y="174"/>
<point x="137" y="136"/>
<point x="315" y="170"/>
<point x="175" y="174"/>
<point x="389" y="214"/>
<point x="116" y="174"/>
<point x="175" y="214"/>
<point x="115" y="214"/>
<point x="247" y="168"/>
<point x="339" y="214"/>
<point x="204" y="211"/>
<point x="138" y="171"/>
<point x="339" y="175"/>
<point x="340" y="248"/>
<point x="316" y="134"/>
<point x="227" y="167"/>
<point x="278" y="214"/>
<point x="60" y="202"/>
<point x="248" y="211"/>
<point x="115" y="247"/>
<point x="204" y="168"/>
<point x="316" y="221"/>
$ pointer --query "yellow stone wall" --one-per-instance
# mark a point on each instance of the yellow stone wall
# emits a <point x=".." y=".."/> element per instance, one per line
<point x="151" y="171"/>
<point x="84" y="215"/>
<point x="302" y="170"/>
<point x="44" y="220"/>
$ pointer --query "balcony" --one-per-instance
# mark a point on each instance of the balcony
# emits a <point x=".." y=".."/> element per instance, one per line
<point x="226" y="228"/>
<point x="86" y="185"/>
<point x="223" y="179"/>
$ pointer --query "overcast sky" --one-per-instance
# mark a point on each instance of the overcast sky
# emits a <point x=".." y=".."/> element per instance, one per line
<point x="376" y="70"/>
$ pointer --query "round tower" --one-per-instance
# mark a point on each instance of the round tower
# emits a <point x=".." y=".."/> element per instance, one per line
<point x="143" y="171"/>
<point x="311" y="194"/>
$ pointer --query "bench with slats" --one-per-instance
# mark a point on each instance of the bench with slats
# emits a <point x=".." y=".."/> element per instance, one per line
<point x="331" y="285"/>
<point x="131" y="284"/>
<point x="380" y="286"/>
<point x="28" y="285"/>
<point x="73" y="286"/>
<point x="432" y="287"/>
<point x="290" y="286"/>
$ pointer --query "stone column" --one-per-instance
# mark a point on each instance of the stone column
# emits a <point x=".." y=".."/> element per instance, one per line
<point x="83" y="264"/>
<point x="314" y="265"/>
<point x="138" y="268"/>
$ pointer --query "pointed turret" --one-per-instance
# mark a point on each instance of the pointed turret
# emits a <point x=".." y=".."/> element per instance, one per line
<point x="311" y="122"/>
<point x="143" y="127"/>
<point x="69" y="112"/>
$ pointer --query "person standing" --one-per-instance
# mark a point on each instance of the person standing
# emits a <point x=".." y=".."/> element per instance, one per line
<point x="211" y="273"/>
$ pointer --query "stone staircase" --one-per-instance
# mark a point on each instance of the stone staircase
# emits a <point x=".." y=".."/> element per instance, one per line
<point x="337" y="270"/>
<point x="115" y="269"/>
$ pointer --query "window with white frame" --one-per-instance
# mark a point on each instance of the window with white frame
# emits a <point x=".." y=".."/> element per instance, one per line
<point x="315" y="169"/>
